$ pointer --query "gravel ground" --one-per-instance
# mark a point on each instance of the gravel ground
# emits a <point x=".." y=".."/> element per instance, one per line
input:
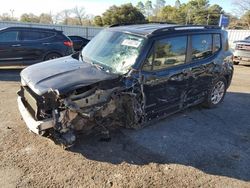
<point x="194" y="148"/>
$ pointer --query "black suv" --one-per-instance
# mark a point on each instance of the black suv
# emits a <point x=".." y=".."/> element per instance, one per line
<point x="78" y="42"/>
<point x="22" y="46"/>
<point x="127" y="76"/>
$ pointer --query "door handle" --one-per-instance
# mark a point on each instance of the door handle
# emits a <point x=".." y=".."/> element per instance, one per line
<point x="46" y="43"/>
<point x="16" y="45"/>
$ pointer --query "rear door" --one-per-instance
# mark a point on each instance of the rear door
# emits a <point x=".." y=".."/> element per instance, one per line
<point x="35" y="45"/>
<point x="203" y="49"/>
<point x="10" y="48"/>
<point x="165" y="76"/>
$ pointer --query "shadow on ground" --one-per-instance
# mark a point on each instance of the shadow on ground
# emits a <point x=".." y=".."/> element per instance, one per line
<point x="216" y="141"/>
<point x="10" y="74"/>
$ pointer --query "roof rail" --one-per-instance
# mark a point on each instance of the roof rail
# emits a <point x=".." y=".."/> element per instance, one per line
<point x="132" y="23"/>
<point x="183" y="27"/>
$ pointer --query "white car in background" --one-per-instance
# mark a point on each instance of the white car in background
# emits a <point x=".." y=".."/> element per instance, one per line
<point x="242" y="51"/>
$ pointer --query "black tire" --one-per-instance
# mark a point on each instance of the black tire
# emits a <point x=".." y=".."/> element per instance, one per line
<point x="51" y="56"/>
<point x="216" y="93"/>
<point x="236" y="62"/>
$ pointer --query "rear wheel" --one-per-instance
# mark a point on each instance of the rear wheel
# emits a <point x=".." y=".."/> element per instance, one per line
<point x="216" y="94"/>
<point x="51" y="56"/>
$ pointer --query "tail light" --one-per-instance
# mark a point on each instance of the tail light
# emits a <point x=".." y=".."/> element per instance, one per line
<point x="68" y="43"/>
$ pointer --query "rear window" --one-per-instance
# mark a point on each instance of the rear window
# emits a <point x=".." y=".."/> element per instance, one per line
<point x="9" y="36"/>
<point x="78" y="38"/>
<point x="74" y="38"/>
<point x="36" y="35"/>
<point x="201" y="46"/>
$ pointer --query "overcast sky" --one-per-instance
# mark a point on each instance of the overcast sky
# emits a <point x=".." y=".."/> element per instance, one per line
<point x="94" y="7"/>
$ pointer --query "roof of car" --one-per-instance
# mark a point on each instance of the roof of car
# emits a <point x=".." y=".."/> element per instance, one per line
<point x="158" y="28"/>
<point x="32" y="28"/>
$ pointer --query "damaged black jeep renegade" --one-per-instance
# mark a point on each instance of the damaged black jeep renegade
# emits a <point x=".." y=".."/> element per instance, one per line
<point x="127" y="76"/>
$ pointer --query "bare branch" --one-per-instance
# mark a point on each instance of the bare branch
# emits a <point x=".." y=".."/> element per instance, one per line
<point x="79" y="13"/>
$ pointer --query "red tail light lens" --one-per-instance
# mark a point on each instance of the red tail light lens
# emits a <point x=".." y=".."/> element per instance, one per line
<point x="68" y="43"/>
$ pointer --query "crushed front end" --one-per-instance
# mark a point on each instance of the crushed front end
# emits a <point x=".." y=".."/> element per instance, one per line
<point x="93" y="89"/>
<point x="101" y="106"/>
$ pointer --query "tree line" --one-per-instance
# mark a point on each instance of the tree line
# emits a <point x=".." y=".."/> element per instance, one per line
<point x="192" y="12"/>
<point x="73" y="16"/>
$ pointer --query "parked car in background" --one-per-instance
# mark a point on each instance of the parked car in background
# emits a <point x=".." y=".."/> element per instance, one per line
<point x="23" y="46"/>
<point x="127" y="76"/>
<point x="78" y="42"/>
<point x="241" y="51"/>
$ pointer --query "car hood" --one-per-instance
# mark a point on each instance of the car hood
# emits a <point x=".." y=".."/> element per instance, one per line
<point x="63" y="74"/>
<point x="242" y="41"/>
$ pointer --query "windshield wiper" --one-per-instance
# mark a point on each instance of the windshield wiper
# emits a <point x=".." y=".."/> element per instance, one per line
<point x="98" y="66"/>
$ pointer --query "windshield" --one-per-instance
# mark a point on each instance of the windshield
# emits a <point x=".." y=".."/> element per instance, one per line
<point x="113" y="51"/>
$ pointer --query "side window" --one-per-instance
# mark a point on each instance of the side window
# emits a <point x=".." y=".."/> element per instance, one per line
<point x="217" y="42"/>
<point x="35" y="35"/>
<point x="74" y="38"/>
<point x="167" y="53"/>
<point x="9" y="36"/>
<point x="201" y="46"/>
<point x="47" y="34"/>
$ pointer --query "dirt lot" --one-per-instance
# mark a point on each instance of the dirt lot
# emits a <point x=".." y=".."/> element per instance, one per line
<point x="195" y="148"/>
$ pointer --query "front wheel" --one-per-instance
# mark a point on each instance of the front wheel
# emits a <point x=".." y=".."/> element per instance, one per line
<point x="216" y="94"/>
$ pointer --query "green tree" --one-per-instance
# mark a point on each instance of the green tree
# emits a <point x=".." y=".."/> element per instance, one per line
<point x="159" y="5"/>
<point x="148" y="8"/>
<point x="126" y="13"/>
<point x="214" y="13"/>
<point x="98" y="21"/>
<point x="173" y="15"/>
<point x="197" y="11"/>
<point x="140" y="6"/>
<point x="29" y="18"/>
<point x="194" y="12"/>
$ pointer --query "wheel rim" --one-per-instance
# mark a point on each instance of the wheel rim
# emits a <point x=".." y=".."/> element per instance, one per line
<point x="53" y="57"/>
<point x="218" y="92"/>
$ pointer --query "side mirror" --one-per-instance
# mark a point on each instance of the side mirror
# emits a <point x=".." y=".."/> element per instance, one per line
<point x="76" y="55"/>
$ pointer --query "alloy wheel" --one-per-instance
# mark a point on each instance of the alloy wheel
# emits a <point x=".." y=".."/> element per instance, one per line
<point x="218" y="92"/>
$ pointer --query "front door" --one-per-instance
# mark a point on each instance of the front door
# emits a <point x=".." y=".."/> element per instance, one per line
<point x="166" y="76"/>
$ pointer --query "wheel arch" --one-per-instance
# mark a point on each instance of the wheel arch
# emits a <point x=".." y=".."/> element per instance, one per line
<point x="51" y="52"/>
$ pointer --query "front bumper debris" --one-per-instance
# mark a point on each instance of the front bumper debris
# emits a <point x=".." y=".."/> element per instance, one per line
<point x="35" y="126"/>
